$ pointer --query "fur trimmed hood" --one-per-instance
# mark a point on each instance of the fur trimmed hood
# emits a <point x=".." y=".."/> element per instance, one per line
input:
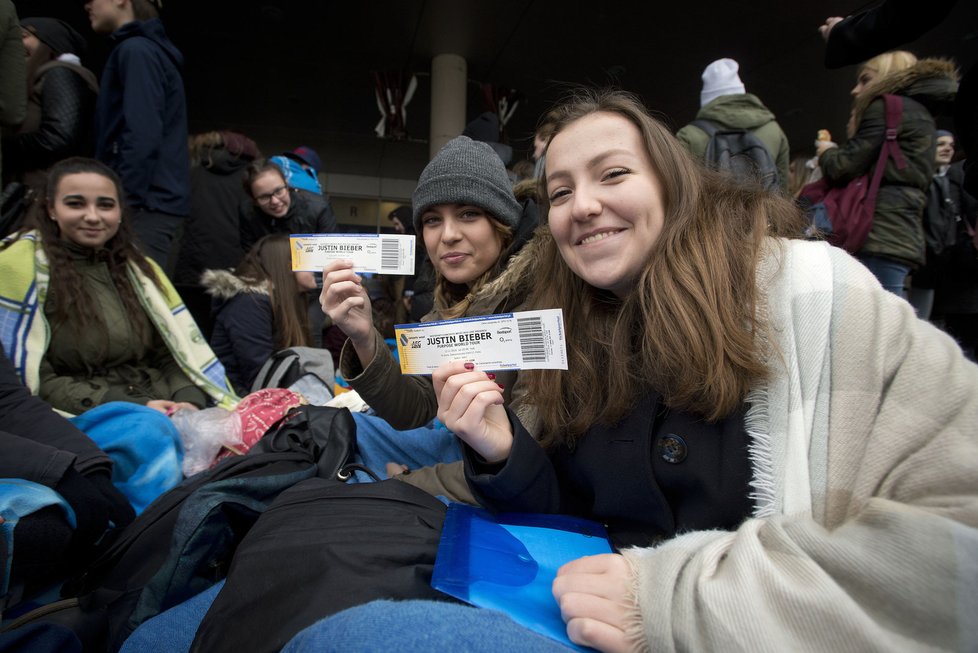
<point x="932" y="82"/>
<point x="223" y="285"/>
<point x="514" y="283"/>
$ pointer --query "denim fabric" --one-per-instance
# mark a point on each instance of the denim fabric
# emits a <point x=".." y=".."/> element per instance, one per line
<point x="891" y="274"/>
<point x="380" y="443"/>
<point x="422" y="627"/>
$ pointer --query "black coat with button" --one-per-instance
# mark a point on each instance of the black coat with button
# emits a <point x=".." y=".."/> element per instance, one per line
<point x="657" y="473"/>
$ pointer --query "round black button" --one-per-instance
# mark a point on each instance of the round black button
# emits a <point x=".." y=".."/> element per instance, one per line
<point x="672" y="449"/>
<point x="87" y="403"/>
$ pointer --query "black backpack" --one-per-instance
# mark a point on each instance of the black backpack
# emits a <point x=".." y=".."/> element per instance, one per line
<point x="741" y="153"/>
<point x="184" y="541"/>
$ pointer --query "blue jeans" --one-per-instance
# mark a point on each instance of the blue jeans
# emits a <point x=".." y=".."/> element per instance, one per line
<point x="380" y="443"/>
<point x="419" y="626"/>
<point x="891" y="275"/>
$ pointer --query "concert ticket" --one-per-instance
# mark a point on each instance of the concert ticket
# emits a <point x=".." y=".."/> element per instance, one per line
<point x="378" y="253"/>
<point x="529" y="340"/>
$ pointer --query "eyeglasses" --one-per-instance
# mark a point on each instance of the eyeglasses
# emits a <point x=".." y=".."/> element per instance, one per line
<point x="278" y="194"/>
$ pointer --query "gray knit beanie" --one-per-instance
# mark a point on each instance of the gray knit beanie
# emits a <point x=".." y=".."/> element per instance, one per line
<point x="466" y="172"/>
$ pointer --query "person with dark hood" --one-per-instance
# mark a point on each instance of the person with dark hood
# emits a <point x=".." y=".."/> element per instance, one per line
<point x="210" y="232"/>
<point x="141" y="119"/>
<point x="60" y="102"/>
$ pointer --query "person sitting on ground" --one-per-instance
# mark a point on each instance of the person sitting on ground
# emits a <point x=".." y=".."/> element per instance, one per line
<point x="43" y="451"/>
<point x="783" y="453"/>
<point x="259" y="309"/>
<point x="89" y="319"/>
<point x="466" y="213"/>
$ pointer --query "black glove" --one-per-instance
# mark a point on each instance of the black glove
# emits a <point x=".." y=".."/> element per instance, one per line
<point x="91" y="516"/>
<point x="116" y="504"/>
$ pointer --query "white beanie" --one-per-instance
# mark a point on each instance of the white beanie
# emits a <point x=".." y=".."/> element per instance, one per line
<point x="720" y="78"/>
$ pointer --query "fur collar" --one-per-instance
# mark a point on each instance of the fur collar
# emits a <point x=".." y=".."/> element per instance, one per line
<point x="516" y="280"/>
<point x="928" y="81"/>
<point x="223" y="284"/>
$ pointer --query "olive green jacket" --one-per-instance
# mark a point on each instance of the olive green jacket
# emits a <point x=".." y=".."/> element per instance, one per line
<point x="741" y="111"/>
<point x="927" y="87"/>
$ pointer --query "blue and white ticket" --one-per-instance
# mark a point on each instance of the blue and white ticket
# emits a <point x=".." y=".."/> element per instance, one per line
<point x="377" y="253"/>
<point x="529" y="340"/>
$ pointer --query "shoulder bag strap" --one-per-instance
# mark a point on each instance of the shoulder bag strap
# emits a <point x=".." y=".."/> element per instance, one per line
<point x="891" y="147"/>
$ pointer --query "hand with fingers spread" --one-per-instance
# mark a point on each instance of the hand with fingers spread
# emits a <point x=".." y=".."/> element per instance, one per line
<point x="595" y="597"/>
<point x="470" y="404"/>
<point x="345" y="301"/>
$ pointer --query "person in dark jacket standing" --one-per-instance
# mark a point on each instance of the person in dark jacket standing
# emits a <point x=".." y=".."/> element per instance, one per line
<point x="141" y="119"/>
<point x="210" y="240"/>
<point x="60" y="103"/>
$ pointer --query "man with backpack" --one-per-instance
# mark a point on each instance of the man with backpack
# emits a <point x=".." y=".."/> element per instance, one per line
<point x="734" y="131"/>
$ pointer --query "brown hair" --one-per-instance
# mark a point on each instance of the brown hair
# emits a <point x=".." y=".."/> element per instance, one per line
<point x="452" y="300"/>
<point x="256" y="169"/>
<point x="692" y="331"/>
<point x="144" y="10"/>
<point x="68" y="296"/>
<point x="270" y="259"/>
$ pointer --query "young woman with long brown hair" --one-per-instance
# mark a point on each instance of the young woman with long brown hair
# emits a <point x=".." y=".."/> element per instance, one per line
<point x="88" y="318"/>
<point x="783" y="454"/>
<point x="259" y="308"/>
<point x="466" y="215"/>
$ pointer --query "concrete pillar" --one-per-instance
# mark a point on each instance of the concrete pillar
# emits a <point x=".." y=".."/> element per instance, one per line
<point x="448" y="93"/>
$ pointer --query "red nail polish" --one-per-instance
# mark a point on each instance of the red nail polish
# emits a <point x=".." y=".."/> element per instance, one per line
<point x="492" y="377"/>
<point x="470" y="366"/>
<point x="501" y="386"/>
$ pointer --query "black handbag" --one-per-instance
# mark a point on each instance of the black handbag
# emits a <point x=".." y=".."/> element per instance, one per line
<point x="328" y="434"/>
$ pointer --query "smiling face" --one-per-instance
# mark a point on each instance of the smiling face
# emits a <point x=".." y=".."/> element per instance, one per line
<point x="461" y="240"/>
<point x="87" y="209"/>
<point x="606" y="209"/>
<point x="271" y="193"/>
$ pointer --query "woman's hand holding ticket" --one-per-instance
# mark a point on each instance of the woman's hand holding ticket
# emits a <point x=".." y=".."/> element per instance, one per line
<point x="470" y="404"/>
<point x="345" y="301"/>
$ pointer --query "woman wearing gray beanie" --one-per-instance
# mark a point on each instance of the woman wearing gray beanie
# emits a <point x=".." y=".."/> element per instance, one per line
<point x="466" y="214"/>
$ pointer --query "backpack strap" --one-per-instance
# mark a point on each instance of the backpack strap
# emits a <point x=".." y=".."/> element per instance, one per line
<point x="707" y="126"/>
<point x="890" y="147"/>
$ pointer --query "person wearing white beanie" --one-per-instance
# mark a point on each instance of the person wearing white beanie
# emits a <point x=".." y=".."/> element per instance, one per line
<point x="721" y="78"/>
<point x="726" y="104"/>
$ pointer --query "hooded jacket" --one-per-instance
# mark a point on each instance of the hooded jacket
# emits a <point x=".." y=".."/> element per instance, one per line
<point x="141" y="119"/>
<point x="244" y="334"/>
<point x="308" y="214"/>
<point x="58" y="121"/>
<point x="740" y="111"/>
<point x="210" y="231"/>
<point x="927" y="88"/>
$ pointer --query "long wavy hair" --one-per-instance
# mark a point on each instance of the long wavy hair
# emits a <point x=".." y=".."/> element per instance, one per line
<point x="69" y="301"/>
<point x="452" y="300"/>
<point x="693" y="329"/>
<point x="271" y="260"/>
